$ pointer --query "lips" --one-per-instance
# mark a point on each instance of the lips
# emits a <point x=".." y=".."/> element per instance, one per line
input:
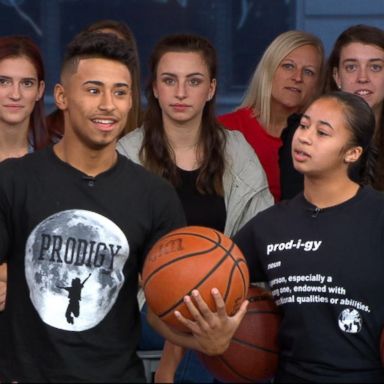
<point x="104" y="124"/>
<point x="293" y="89"/>
<point x="363" y="92"/>
<point x="299" y="155"/>
<point x="180" y="107"/>
<point x="14" y="106"/>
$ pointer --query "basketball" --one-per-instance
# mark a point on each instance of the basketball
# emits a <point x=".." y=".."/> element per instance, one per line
<point x="253" y="352"/>
<point x="191" y="258"/>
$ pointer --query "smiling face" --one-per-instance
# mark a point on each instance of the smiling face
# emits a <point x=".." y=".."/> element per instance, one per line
<point x="19" y="90"/>
<point x="320" y="146"/>
<point x="361" y="71"/>
<point x="296" y="78"/>
<point x="96" y="100"/>
<point x="182" y="87"/>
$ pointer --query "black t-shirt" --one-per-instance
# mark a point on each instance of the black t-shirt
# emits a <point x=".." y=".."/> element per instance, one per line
<point x="74" y="247"/>
<point x="291" y="181"/>
<point x="326" y="272"/>
<point x="200" y="209"/>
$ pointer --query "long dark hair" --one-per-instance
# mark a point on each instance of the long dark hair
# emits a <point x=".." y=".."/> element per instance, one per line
<point x="368" y="35"/>
<point x="22" y="46"/>
<point x="156" y="153"/>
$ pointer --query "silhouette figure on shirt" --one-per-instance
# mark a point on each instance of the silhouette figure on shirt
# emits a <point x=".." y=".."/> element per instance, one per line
<point x="74" y="295"/>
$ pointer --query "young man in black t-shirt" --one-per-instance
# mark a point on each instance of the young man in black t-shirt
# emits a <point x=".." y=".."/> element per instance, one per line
<point x="76" y="221"/>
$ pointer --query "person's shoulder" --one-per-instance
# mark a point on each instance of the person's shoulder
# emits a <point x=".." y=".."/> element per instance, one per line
<point x="237" y="148"/>
<point x="235" y="139"/>
<point x="372" y="197"/>
<point x="130" y="144"/>
<point x="238" y="113"/>
<point x="24" y="163"/>
<point x="135" y="171"/>
<point x="235" y="119"/>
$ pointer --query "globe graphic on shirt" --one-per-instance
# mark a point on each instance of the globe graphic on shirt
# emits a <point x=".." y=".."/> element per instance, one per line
<point x="74" y="263"/>
<point x="350" y="321"/>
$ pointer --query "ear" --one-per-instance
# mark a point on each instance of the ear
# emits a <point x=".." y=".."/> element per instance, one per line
<point x="60" y="97"/>
<point x="41" y="90"/>
<point x="336" y="77"/>
<point x="154" y="90"/>
<point x="212" y="89"/>
<point x="353" y="154"/>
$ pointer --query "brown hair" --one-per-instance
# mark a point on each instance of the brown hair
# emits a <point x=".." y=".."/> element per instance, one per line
<point x="156" y="153"/>
<point x="23" y="46"/>
<point x="368" y="35"/>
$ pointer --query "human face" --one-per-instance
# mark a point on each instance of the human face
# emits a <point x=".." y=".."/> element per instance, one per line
<point x="19" y="90"/>
<point x="96" y="100"/>
<point x="361" y="71"/>
<point x="320" y="143"/>
<point x="183" y="86"/>
<point x="296" y="78"/>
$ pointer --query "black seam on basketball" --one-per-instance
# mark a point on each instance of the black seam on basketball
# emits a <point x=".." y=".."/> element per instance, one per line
<point x="221" y="358"/>
<point x="217" y="244"/>
<point x="149" y="277"/>
<point x="215" y="267"/>
<point x="194" y="234"/>
<point x="226" y="293"/>
<point x="242" y="342"/>
<point x="236" y="263"/>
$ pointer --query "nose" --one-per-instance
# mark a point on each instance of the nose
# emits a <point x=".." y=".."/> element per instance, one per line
<point x="304" y="135"/>
<point x="297" y="75"/>
<point x="181" y="92"/>
<point x="15" y="92"/>
<point x="107" y="102"/>
<point x="362" y="75"/>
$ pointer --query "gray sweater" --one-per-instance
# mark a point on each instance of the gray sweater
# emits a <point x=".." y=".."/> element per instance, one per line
<point x="246" y="189"/>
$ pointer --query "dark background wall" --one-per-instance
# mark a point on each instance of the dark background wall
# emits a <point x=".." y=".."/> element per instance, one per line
<point x="239" y="29"/>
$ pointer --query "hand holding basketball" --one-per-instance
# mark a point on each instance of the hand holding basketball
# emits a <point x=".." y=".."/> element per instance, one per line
<point x="190" y="259"/>
<point x="212" y="331"/>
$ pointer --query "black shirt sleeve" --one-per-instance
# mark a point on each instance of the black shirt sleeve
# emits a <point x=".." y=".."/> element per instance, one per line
<point x="245" y="239"/>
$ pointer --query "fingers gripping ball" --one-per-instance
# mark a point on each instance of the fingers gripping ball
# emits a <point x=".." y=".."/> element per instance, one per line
<point x="253" y="352"/>
<point x="193" y="258"/>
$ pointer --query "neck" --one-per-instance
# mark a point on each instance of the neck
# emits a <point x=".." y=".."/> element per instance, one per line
<point x="13" y="140"/>
<point x="184" y="141"/>
<point x="325" y="193"/>
<point x="92" y="162"/>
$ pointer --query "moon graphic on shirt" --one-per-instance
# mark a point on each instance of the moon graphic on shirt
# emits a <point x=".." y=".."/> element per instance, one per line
<point x="350" y="321"/>
<point x="74" y="268"/>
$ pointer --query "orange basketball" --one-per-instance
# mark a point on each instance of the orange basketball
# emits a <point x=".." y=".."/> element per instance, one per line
<point x="193" y="258"/>
<point x="253" y="352"/>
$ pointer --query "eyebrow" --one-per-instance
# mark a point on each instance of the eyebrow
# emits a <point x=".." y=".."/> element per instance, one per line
<point x="372" y="59"/>
<point x="100" y="83"/>
<point x="189" y="75"/>
<point x="293" y="61"/>
<point x="322" y="122"/>
<point x="23" y="78"/>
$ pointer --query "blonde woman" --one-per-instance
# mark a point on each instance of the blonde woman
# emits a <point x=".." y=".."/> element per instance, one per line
<point x="288" y="76"/>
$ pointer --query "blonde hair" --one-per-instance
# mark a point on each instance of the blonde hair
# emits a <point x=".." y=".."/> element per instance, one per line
<point x="259" y="92"/>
